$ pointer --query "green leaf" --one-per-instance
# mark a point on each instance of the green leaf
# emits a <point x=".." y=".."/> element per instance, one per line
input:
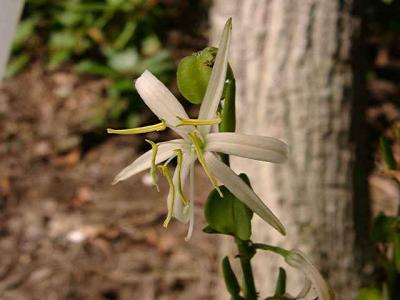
<point x="123" y="85"/>
<point x="396" y="251"/>
<point x="125" y="35"/>
<point x="95" y="68"/>
<point x="228" y="123"/>
<point x="69" y="18"/>
<point x="24" y="31"/>
<point x="384" y="228"/>
<point x="387" y="153"/>
<point x="193" y="74"/>
<point x="228" y="215"/>
<point x="16" y="65"/>
<point x="209" y="229"/>
<point x="115" y="2"/>
<point x="57" y="58"/>
<point x="63" y="40"/>
<point x="280" y="288"/>
<point x="230" y="279"/>
<point x="369" y="294"/>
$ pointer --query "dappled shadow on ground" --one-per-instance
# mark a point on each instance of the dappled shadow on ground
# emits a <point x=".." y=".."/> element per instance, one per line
<point x="65" y="232"/>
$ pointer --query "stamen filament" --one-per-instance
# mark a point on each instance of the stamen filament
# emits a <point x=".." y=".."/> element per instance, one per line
<point x="154" y="148"/>
<point x="195" y="122"/>
<point x="167" y="174"/>
<point x="185" y="201"/>
<point x="198" y="146"/>
<point x="145" y="129"/>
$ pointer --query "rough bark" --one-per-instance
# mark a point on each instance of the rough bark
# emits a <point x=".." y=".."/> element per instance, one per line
<point x="294" y="69"/>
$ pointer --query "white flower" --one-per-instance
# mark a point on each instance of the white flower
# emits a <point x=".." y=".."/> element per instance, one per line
<point x="199" y="143"/>
<point x="300" y="261"/>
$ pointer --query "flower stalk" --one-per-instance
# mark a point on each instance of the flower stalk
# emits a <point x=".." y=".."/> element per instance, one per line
<point x="228" y="124"/>
<point x="246" y="253"/>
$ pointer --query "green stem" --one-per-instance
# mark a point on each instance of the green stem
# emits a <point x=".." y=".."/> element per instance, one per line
<point x="246" y="252"/>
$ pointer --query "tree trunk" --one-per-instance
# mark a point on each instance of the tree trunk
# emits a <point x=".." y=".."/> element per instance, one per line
<point x="293" y="62"/>
<point x="10" y="11"/>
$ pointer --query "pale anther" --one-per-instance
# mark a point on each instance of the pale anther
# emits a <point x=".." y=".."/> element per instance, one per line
<point x="145" y="129"/>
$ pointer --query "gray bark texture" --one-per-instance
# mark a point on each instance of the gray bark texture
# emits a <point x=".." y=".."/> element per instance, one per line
<point x="294" y="67"/>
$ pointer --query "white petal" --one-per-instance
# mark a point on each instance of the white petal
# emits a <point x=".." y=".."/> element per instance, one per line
<point x="217" y="79"/>
<point x="143" y="162"/>
<point x="250" y="146"/>
<point x="179" y="213"/>
<point x="299" y="260"/>
<point x="242" y="191"/>
<point x="191" y="199"/>
<point x="161" y="101"/>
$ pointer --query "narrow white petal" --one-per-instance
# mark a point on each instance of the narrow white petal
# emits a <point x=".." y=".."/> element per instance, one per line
<point x="242" y="191"/>
<point x="299" y="260"/>
<point x="250" y="146"/>
<point x="217" y="79"/>
<point x="179" y="212"/>
<point x="191" y="198"/>
<point x="161" y="101"/>
<point x="143" y="162"/>
<point x="306" y="290"/>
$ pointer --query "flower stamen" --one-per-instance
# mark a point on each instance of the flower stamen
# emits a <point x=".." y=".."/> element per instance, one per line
<point x="154" y="148"/>
<point x="179" y="154"/>
<point x="196" y="122"/>
<point x="198" y="146"/>
<point x="167" y="174"/>
<point x="145" y="129"/>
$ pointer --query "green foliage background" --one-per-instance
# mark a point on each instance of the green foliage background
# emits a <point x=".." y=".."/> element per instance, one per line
<point x="117" y="39"/>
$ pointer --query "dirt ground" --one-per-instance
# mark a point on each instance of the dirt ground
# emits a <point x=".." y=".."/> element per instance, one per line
<point x="65" y="232"/>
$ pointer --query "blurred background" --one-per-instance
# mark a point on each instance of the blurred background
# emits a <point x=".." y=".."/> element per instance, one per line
<point x="66" y="233"/>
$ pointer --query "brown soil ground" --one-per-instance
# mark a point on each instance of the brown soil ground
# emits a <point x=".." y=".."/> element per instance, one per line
<point x="65" y="232"/>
